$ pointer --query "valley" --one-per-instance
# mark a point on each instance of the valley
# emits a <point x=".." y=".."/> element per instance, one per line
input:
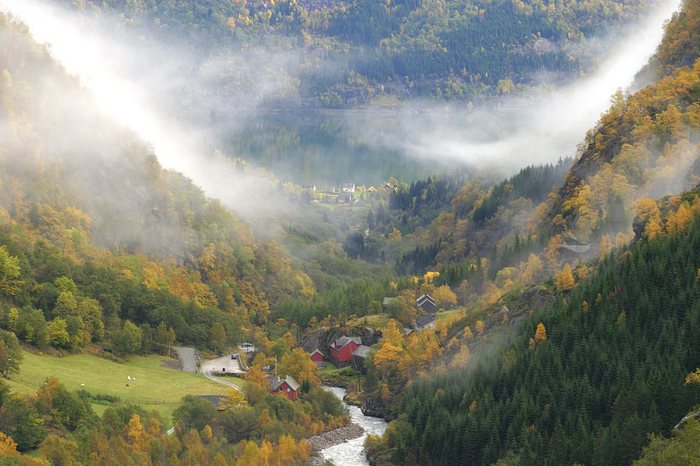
<point x="471" y="228"/>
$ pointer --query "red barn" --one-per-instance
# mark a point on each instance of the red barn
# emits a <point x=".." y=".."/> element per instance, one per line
<point x="317" y="356"/>
<point x="341" y="349"/>
<point x="288" y="386"/>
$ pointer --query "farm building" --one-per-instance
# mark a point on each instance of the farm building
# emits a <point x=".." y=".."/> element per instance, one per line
<point x="425" y="321"/>
<point x="427" y="304"/>
<point x="341" y="349"/>
<point x="386" y="302"/>
<point x="318" y="357"/>
<point x="358" y="358"/>
<point x="216" y="400"/>
<point x="287" y="385"/>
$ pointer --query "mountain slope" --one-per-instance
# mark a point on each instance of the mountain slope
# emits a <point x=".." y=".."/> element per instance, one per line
<point x="610" y="368"/>
<point x="584" y="380"/>
<point x="352" y="51"/>
<point x="83" y="198"/>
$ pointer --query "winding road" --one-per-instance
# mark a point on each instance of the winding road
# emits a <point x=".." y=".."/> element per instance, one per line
<point x="188" y="360"/>
<point x="222" y="382"/>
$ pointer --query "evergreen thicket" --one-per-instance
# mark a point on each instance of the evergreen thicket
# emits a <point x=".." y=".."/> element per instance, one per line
<point x="610" y="371"/>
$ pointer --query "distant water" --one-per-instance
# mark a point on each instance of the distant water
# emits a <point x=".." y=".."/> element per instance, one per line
<point x="352" y="453"/>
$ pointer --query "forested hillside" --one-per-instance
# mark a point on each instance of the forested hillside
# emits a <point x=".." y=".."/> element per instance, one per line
<point x="103" y="251"/>
<point x="93" y="229"/>
<point x="607" y="367"/>
<point x="583" y="378"/>
<point x="352" y="52"/>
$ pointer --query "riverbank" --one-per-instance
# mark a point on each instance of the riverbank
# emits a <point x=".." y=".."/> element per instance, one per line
<point x="348" y="450"/>
<point x="333" y="438"/>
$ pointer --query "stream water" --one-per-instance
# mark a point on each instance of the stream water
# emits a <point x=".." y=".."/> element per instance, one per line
<point x="352" y="453"/>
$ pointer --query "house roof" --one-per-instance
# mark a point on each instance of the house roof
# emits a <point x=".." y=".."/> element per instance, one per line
<point x="317" y="351"/>
<point x="388" y="300"/>
<point x="423" y="298"/>
<point x="213" y="399"/>
<point x="276" y="383"/>
<point x="424" y="321"/>
<point x="577" y="248"/>
<point x="344" y="340"/>
<point x="362" y="351"/>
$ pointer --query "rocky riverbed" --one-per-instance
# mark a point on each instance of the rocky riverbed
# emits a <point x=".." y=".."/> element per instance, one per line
<point x="336" y="437"/>
<point x="347" y="444"/>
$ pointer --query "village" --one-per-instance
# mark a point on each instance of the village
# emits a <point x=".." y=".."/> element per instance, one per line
<point x="335" y="350"/>
<point x="344" y="194"/>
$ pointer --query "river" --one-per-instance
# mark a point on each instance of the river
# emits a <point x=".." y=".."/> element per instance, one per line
<point x="352" y="453"/>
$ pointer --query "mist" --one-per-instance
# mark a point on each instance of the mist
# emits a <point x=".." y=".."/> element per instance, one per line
<point x="535" y="127"/>
<point x="147" y="88"/>
<point x="126" y="79"/>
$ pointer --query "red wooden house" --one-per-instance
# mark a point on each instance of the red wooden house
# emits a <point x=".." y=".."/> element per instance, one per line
<point x="341" y="349"/>
<point x="288" y="386"/>
<point x="317" y="356"/>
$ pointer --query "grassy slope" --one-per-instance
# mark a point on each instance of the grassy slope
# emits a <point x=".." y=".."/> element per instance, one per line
<point x="156" y="386"/>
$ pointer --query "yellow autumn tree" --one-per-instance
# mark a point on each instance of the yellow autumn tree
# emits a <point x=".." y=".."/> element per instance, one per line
<point x="648" y="213"/>
<point x="565" y="278"/>
<point x="430" y="276"/>
<point x="7" y="445"/>
<point x="258" y="386"/>
<point x="392" y="334"/>
<point x="540" y="333"/>
<point x="135" y="432"/>
<point x="387" y="357"/>
<point x="234" y="399"/>
<point x="422" y="349"/>
<point x="680" y="219"/>
<point x="653" y="228"/>
<point x="582" y="271"/>
<point x="531" y="270"/>
<point x="552" y="251"/>
<point x="693" y="378"/>
<point x="299" y="365"/>
<point x="461" y="358"/>
<point x="444" y="296"/>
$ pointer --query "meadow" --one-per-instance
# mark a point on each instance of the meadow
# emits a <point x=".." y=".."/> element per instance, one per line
<point x="154" y="385"/>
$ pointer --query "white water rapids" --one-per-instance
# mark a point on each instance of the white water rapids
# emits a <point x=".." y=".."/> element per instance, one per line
<point x="352" y="453"/>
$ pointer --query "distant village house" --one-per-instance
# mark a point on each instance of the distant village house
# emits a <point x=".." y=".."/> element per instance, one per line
<point x="427" y="304"/>
<point x="427" y="321"/>
<point x="288" y="386"/>
<point x="341" y="349"/>
<point x="359" y="356"/>
<point x="387" y="302"/>
<point x="318" y="358"/>
<point x="216" y="400"/>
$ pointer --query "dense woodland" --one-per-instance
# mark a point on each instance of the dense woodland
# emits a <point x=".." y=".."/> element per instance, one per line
<point x="582" y="381"/>
<point x="453" y="50"/>
<point x="587" y="377"/>
<point x="63" y="428"/>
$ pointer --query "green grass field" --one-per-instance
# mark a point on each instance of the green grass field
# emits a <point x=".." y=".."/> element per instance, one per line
<point x="442" y="315"/>
<point x="155" y="386"/>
